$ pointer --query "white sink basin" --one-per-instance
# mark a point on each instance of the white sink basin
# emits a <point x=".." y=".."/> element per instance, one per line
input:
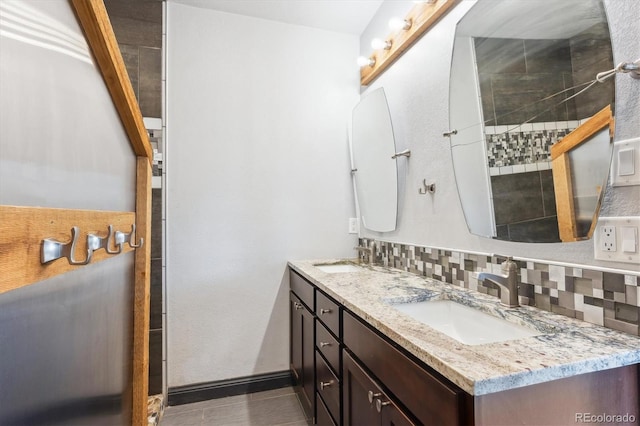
<point x="466" y="325"/>
<point x="338" y="267"/>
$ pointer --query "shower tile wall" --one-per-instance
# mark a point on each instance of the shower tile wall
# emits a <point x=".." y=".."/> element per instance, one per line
<point x="525" y="207"/>
<point x="605" y="298"/>
<point x="585" y="66"/>
<point x="515" y="75"/>
<point x="138" y="29"/>
<point x="523" y="149"/>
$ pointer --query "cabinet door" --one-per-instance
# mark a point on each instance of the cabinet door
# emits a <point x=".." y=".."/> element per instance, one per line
<point x="391" y="415"/>
<point x="356" y="385"/>
<point x="302" y="353"/>
<point x="432" y="400"/>
<point x="364" y="401"/>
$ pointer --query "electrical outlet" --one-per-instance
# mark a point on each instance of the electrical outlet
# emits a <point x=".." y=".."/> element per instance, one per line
<point x="353" y="225"/>
<point x="608" y="238"/>
<point x="616" y="239"/>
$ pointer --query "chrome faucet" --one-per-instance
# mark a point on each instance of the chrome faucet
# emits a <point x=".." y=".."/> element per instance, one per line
<point x="508" y="282"/>
<point x="371" y="251"/>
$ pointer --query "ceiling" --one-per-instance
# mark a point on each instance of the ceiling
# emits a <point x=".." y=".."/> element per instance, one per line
<point x="345" y="16"/>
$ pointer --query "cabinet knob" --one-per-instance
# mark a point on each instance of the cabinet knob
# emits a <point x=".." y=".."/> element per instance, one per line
<point x="325" y="311"/>
<point x="297" y="305"/>
<point x="325" y="384"/>
<point x="372" y="395"/>
<point x="380" y="404"/>
<point x="323" y="344"/>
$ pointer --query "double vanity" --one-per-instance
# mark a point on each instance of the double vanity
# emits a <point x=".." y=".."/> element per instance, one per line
<point x="376" y="345"/>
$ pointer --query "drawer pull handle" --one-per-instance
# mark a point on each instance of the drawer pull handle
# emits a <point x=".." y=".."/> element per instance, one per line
<point x="325" y="384"/>
<point x="372" y="395"/>
<point x="297" y="305"/>
<point x="325" y="311"/>
<point x="323" y="344"/>
<point x="380" y="404"/>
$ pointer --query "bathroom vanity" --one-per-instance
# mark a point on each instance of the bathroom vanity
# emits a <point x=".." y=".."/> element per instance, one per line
<point x="359" y="358"/>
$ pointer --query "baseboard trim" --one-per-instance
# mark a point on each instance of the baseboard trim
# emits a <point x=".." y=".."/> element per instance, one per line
<point x="242" y="385"/>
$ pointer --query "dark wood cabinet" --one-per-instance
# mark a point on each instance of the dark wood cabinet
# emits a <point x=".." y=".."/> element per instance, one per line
<point x="431" y="398"/>
<point x="302" y="354"/>
<point x="349" y="374"/>
<point x="328" y="364"/>
<point x="363" y="400"/>
<point x="323" y="418"/>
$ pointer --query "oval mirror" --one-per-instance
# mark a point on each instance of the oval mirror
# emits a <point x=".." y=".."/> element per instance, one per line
<point x="532" y="146"/>
<point x="375" y="171"/>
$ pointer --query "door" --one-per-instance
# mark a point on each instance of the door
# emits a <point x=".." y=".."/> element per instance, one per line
<point x="74" y="181"/>
<point x="302" y="353"/>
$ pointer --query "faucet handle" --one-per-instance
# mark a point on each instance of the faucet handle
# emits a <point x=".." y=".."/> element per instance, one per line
<point x="509" y="265"/>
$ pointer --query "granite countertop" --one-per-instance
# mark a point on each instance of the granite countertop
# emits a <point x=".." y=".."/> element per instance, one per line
<point x="567" y="347"/>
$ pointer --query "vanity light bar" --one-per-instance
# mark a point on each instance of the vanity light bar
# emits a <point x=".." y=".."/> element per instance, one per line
<point x="420" y="18"/>
<point x="378" y="44"/>
<point x="397" y="24"/>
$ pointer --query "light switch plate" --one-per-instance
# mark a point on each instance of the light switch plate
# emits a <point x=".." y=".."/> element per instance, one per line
<point x="625" y="167"/>
<point x="616" y="239"/>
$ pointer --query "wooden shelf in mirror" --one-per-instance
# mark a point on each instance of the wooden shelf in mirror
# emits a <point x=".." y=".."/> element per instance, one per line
<point x="561" y="166"/>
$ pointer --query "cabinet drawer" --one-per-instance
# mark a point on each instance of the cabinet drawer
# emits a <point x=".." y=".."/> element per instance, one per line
<point x="329" y="346"/>
<point x="328" y="387"/>
<point x="431" y="400"/>
<point x="323" y="418"/>
<point x="328" y="312"/>
<point x="302" y="288"/>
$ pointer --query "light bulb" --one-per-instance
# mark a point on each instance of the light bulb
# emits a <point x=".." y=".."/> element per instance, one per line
<point x="378" y="44"/>
<point x="364" y="61"/>
<point x="397" y="24"/>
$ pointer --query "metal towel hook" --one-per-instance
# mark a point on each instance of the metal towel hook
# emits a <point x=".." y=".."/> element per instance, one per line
<point x="427" y="187"/>
<point x="405" y="153"/>
<point x="95" y="242"/>
<point x="52" y="249"/>
<point x="121" y="238"/>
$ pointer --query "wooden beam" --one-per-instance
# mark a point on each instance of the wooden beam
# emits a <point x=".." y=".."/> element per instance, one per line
<point x="565" y="207"/>
<point x="142" y="295"/>
<point x="22" y="230"/>
<point x="422" y="17"/>
<point x="102" y="41"/>
<point x="597" y="122"/>
<point x="561" y="167"/>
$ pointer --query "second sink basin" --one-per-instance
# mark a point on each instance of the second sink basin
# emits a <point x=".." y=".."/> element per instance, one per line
<point x="466" y="325"/>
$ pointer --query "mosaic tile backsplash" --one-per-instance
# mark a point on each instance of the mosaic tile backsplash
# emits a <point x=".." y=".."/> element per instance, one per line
<point x="517" y="146"/>
<point x="604" y="298"/>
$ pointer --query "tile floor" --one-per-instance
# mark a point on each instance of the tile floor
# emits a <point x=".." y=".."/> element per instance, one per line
<point x="270" y="408"/>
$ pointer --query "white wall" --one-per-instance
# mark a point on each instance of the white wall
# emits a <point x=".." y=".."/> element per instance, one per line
<point x="257" y="174"/>
<point x="417" y="88"/>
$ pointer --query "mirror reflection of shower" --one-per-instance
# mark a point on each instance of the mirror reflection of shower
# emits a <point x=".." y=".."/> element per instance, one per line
<point x="524" y="77"/>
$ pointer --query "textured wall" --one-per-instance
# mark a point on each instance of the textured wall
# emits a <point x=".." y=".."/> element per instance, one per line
<point x="257" y="173"/>
<point x="418" y="95"/>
